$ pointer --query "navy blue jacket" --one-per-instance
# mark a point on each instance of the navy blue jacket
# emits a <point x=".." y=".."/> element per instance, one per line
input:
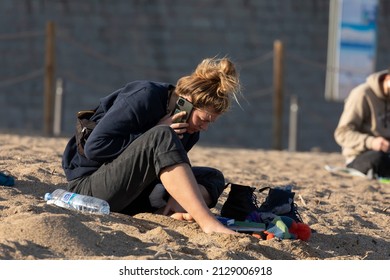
<point x="121" y="117"/>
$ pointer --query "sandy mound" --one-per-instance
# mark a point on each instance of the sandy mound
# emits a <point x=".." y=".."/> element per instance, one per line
<point x="349" y="214"/>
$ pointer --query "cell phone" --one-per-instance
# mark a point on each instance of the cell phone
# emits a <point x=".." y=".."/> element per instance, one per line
<point x="182" y="105"/>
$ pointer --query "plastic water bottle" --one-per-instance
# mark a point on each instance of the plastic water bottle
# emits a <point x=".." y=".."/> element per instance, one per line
<point x="74" y="201"/>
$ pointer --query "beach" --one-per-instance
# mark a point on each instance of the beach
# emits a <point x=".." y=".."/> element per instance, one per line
<point x="349" y="215"/>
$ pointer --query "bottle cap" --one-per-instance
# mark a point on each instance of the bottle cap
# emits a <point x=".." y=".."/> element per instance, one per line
<point x="47" y="196"/>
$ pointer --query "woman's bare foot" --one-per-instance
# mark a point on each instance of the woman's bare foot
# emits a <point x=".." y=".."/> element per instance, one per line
<point x="183" y="217"/>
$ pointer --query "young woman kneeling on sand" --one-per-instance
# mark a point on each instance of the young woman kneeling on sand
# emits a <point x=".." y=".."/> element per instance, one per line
<point x="138" y="145"/>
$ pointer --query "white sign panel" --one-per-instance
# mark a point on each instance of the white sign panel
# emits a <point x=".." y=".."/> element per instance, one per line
<point x="351" y="47"/>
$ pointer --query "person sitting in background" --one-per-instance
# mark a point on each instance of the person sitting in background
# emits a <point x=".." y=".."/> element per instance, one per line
<point x="138" y="145"/>
<point x="363" y="131"/>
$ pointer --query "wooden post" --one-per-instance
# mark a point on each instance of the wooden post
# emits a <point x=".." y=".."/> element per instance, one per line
<point x="278" y="96"/>
<point x="49" y="78"/>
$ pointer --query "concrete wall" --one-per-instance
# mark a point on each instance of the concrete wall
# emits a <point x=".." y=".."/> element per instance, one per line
<point x="102" y="44"/>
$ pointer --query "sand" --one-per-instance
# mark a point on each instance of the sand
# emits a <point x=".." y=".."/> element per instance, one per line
<point x="350" y="214"/>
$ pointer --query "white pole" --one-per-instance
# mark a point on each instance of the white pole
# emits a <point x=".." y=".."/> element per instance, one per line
<point x="293" y="128"/>
<point x="58" y="108"/>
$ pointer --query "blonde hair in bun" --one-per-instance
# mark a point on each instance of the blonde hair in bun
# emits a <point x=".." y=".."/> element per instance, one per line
<point x="213" y="84"/>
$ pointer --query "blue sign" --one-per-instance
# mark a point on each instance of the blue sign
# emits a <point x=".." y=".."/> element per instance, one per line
<point x="354" y="37"/>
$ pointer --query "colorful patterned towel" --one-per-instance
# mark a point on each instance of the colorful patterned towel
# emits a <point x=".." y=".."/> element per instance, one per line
<point x="281" y="227"/>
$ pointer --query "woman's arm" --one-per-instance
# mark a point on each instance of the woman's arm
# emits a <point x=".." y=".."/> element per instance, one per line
<point x="181" y="184"/>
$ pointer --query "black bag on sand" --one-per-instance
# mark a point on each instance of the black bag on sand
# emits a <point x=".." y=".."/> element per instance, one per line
<point x="84" y="127"/>
<point x="280" y="201"/>
<point x="242" y="201"/>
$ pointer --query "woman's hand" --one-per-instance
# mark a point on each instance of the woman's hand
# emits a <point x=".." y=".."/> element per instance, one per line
<point x="179" y="128"/>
